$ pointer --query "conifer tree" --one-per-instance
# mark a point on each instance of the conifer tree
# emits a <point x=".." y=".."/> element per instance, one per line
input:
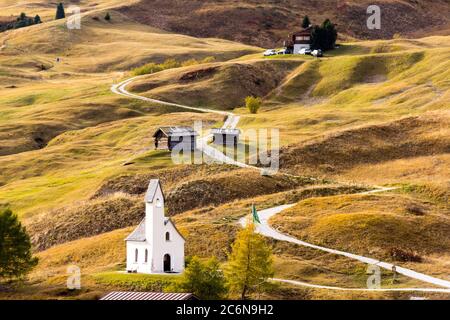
<point x="15" y="247"/>
<point x="37" y="19"/>
<point x="306" y="22"/>
<point x="324" y="37"/>
<point x="60" y="13"/>
<point x="250" y="262"/>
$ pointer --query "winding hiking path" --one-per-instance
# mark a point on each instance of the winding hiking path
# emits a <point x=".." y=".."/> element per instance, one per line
<point x="202" y="142"/>
<point x="264" y="228"/>
<point x="316" y="286"/>
<point x="120" y="89"/>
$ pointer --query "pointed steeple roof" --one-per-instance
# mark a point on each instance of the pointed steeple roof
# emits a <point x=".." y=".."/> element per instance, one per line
<point x="151" y="190"/>
<point x="139" y="233"/>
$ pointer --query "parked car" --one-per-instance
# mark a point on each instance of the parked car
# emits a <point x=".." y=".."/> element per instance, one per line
<point x="305" y="51"/>
<point x="317" y="53"/>
<point x="284" y="51"/>
<point x="270" y="52"/>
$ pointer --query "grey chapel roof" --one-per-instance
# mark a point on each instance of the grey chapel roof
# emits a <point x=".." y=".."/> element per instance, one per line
<point x="139" y="233"/>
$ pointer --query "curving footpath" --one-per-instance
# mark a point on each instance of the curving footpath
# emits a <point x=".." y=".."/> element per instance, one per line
<point x="265" y="229"/>
<point x="316" y="286"/>
<point x="264" y="215"/>
<point x="120" y="89"/>
<point x="202" y="142"/>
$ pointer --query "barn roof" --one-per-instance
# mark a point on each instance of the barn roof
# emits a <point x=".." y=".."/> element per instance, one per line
<point x="225" y="131"/>
<point x="124" y="295"/>
<point x="176" y="131"/>
<point x="151" y="190"/>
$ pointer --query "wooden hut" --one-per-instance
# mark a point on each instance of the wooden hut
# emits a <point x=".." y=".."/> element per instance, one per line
<point x="226" y="137"/>
<point x="166" y="138"/>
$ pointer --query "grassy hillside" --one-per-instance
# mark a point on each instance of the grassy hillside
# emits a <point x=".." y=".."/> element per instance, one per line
<point x="47" y="9"/>
<point x="74" y="164"/>
<point x="46" y="98"/>
<point x="208" y="232"/>
<point x="409" y="137"/>
<point x="217" y="85"/>
<point x="116" y="208"/>
<point x="395" y="227"/>
<point x="75" y="158"/>
<point x="268" y="23"/>
<point x="262" y="23"/>
<point x="353" y="100"/>
<point x="67" y="111"/>
<point x="99" y="44"/>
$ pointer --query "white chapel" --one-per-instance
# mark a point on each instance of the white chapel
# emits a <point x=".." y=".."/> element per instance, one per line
<point x="155" y="246"/>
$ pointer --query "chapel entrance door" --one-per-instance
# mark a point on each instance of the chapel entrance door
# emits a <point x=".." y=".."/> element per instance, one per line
<point x="167" y="264"/>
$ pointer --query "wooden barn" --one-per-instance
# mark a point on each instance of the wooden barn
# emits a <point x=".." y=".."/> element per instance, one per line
<point x="166" y="138"/>
<point x="226" y="137"/>
<point x="128" y="295"/>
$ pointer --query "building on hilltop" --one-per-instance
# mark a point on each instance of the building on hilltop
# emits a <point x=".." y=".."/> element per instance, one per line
<point x="155" y="246"/>
<point x="299" y="40"/>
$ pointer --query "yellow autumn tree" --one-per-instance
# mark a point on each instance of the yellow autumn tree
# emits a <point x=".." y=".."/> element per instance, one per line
<point x="250" y="263"/>
<point x="253" y="104"/>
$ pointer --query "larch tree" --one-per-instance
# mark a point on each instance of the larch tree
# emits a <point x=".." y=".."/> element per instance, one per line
<point x="253" y="104"/>
<point x="250" y="263"/>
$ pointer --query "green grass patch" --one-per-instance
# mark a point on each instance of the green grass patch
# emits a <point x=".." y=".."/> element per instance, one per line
<point x="155" y="157"/>
<point x="135" y="281"/>
<point x="438" y="194"/>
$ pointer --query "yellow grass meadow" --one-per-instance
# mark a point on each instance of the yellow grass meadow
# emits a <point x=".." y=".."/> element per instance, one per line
<point x="76" y="158"/>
